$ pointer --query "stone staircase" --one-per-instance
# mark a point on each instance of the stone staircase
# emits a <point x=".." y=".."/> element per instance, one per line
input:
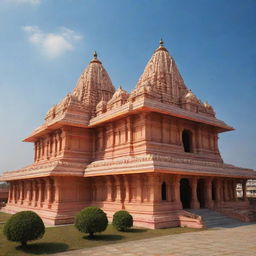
<point x="214" y="219"/>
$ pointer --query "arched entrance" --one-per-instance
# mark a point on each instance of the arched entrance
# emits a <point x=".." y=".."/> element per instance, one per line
<point x="200" y="193"/>
<point x="185" y="193"/>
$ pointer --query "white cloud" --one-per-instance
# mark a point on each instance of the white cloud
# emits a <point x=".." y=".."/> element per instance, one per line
<point x="25" y="1"/>
<point x="52" y="44"/>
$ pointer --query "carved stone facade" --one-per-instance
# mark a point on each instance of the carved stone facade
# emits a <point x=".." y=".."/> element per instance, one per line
<point x="153" y="152"/>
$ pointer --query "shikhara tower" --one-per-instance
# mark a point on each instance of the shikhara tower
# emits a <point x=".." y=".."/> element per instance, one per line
<point x="153" y="152"/>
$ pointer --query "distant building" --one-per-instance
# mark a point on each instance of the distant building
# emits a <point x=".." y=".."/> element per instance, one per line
<point x="250" y="189"/>
<point x="153" y="152"/>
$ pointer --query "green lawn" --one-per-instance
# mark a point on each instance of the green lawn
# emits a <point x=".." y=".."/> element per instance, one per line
<point x="63" y="238"/>
<point x="4" y="216"/>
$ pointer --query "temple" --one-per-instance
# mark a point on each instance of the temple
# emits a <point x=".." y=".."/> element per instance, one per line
<point x="153" y="152"/>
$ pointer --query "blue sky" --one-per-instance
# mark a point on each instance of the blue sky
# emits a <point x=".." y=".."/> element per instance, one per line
<point x="45" y="45"/>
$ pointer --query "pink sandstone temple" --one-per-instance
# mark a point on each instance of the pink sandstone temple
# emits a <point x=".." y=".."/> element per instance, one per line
<point x="153" y="152"/>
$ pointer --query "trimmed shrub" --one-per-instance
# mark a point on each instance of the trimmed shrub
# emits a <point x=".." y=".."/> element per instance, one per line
<point x="91" y="220"/>
<point x="122" y="220"/>
<point x="23" y="227"/>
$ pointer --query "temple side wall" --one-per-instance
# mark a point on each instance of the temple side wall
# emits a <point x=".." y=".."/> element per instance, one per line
<point x="154" y="133"/>
<point x="154" y="199"/>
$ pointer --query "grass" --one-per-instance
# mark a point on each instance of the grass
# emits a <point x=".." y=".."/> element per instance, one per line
<point x="4" y="216"/>
<point x="63" y="238"/>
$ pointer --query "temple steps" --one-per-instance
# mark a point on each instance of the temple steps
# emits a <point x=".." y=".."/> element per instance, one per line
<point x="214" y="219"/>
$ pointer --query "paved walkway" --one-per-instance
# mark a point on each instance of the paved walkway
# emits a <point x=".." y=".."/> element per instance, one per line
<point x="238" y="241"/>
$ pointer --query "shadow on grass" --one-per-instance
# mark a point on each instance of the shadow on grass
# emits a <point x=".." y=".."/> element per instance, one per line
<point x="104" y="237"/>
<point x="43" y="248"/>
<point x="135" y="230"/>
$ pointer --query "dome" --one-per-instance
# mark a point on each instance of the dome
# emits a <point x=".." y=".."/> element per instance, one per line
<point x="120" y="93"/>
<point x="161" y="73"/>
<point x="94" y="84"/>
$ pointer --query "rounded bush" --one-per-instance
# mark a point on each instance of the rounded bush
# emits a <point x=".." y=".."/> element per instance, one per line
<point x="91" y="220"/>
<point x="24" y="226"/>
<point x="122" y="220"/>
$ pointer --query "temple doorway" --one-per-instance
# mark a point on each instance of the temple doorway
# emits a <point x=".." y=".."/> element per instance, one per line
<point x="185" y="193"/>
<point x="187" y="141"/>
<point x="200" y="193"/>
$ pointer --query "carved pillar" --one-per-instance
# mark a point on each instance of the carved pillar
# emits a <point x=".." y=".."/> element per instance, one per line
<point x="22" y="192"/>
<point x="47" y="192"/>
<point x="129" y="134"/>
<point x="176" y="189"/>
<point x="40" y="199"/>
<point x="208" y="193"/>
<point x="18" y="192"/>
<point x="230" y="188"/>
<point x="127" y="188"/>
<point x="118" y="188"/>
<point x="194" y="200"/>
<point x="156" y="187"/>
<point x="10" y="193"/>
<point x="139" y="189"/>
<point x="234" y="190"/>
<point x="109" y="188"/>
<point x="244" y="190"/>
<point x="218" y="198"/>
<point x="169" y="189"/>
<point x="33" y="196"/>
<point x="57" y="190"/>
<point x="225" y="189"/>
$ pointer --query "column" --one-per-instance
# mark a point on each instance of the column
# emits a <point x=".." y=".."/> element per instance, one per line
<point x="109" y="188"/>
<point x="30" y="192"/>
<point x="57" y="190"/>
<point x="244" y="190"/>
<point x="234" y="190"/>
<point x="40" y="200"/>
<point x="47" y="192"/>
<point x="118" y="188"/>
<point x="129" y="134"/>
<point x="176" y="189"/>
<point x="208" y="193"/>
<point x="21" y="192"/>
<point x="169" y="189"/>
<point x="127" y="188"/>
<point x="218" y="198"/>
<point x="35" y="193"/>
<point x="155" y="193"/>
<point x="139" y="189"/>
<point x="10" y="193"/>
<point x="194" y="200"/>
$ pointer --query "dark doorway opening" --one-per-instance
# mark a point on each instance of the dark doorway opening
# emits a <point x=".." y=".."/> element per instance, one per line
<point x="164" y="197"/>
<point x="185" y="193"/>
<point x="187" y="140"/>
<point x="214" y="191"/>
<point x="200" y="193"/>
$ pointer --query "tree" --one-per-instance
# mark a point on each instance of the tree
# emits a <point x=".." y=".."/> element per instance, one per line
<point x="91" y="220"/>
<point x="23" y="227"/>
<point x="122" y="220"/>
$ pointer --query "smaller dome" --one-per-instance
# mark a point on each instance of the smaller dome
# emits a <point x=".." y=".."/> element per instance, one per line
<point x="207" y="105"/>
<point x="102" y="104"/>
<point x="120" y="93"/>
<point x="190" y="97"/>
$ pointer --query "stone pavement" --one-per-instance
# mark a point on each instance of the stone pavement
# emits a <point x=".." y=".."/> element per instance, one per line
<point x="238" y="241"/>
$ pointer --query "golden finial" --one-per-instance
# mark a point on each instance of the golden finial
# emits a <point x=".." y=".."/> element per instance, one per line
<point x="95" y="55"/>
<point x="161" y="42"/>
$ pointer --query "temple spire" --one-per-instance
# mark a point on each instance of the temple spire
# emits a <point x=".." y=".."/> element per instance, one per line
<point x="161" y="42"/>
<point x="95" y="55"/>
